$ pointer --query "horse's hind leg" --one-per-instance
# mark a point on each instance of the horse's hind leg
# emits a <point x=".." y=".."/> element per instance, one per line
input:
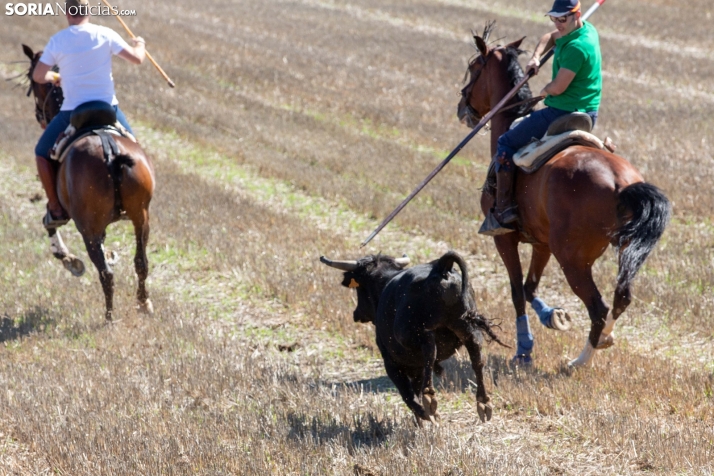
<point x="553" y="318"/>
<point x="141" y="261"/>
<point x="95" y="249"/>
<point x="622" y="299"/>
<point x="582" y="283"/>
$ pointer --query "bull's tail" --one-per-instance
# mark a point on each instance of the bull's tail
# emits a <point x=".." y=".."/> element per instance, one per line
<point x="445" y="264"/>
<point x="648" y="210"/>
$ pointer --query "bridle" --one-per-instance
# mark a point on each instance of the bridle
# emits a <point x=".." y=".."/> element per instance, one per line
<point x="472" y="114"/>
<point x="41" y="107"/>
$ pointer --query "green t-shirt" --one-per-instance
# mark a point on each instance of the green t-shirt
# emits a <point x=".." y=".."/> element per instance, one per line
<point x="579" y="51"/>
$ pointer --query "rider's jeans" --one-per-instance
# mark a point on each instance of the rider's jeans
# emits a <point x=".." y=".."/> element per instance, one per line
<point x="533" y="126"/>
<point x="58" y="124"/>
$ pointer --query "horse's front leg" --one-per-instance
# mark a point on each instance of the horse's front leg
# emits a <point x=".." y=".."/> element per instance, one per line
<point x="60" y="251"/>
<point x="507" y="246"/>
<point x="552" y="318"/>
<point x="95" y="249"/>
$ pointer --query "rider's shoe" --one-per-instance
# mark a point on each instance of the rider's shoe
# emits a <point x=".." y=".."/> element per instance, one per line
<point x="505" y="213"/>
<point x="50" y="222"/>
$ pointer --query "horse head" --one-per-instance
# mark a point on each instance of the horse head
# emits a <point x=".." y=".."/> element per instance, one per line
<point x="491" y="73"/>
<point x="48" y="97"/>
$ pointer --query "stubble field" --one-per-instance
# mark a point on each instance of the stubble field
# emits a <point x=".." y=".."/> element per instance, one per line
<point x="295" y="127"/>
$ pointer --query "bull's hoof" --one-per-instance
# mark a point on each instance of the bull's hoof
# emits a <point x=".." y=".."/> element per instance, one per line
<point x="74" y="265"/>
<point x="485" y="411"/>
<point x="430" y="405"/>
<point x="605" y="342"/>
<point x="146" y="307"/>
<point x="560" y="320"/>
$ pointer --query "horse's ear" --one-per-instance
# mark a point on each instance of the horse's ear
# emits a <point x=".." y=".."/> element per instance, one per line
<point x="481" y="45"/>
<point x="516" y="44"/>
<point x="28" y="51"/>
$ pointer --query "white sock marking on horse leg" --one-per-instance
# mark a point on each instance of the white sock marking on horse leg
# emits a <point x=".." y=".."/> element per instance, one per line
<point x="586" y="356"/>
<point x="609" y="324"/>
<point x="57" y="246"/>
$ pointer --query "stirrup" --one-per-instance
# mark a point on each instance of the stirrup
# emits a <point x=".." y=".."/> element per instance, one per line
<point x="50" y="223"/>
<point x="508" y="215"/>
<point x="492" y="227"/>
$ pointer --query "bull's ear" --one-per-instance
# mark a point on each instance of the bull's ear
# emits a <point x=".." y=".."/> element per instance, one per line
<point x="481" y="45"/>
<point x="516" y="44"/>
<point x="28" y="51"/>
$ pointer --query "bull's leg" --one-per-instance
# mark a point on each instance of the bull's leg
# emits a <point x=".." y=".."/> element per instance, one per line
<point x="427" y="392"/>
<point x="507" y="246"/>
<point x="553" y="318"/>
<point x="95" y="249"/>
<point x="581" y="282"/>
<point x="141" y="262"/>
<point x="469" y="335"/>
<point x="404" y="385"/>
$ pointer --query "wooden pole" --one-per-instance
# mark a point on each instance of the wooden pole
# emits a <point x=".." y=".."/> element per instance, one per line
<point x="165" y="76"/>
<point x="475" y="130"/>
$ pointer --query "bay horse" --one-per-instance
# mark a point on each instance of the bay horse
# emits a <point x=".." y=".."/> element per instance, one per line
<point x="96" y="193"/>
<point x="573" y="207"/>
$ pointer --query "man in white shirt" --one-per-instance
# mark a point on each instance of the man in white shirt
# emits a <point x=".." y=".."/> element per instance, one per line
<point x="83" y="52"/>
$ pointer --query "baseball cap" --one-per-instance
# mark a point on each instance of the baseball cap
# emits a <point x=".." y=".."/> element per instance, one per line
<point x="564" y="7"/>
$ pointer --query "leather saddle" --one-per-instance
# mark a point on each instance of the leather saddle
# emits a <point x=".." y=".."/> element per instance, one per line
<point x="91" y="118"/>
<point x="571" y="129"/>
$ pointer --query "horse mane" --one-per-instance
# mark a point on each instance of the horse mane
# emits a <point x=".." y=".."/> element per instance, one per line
<point x="516" y="74"/>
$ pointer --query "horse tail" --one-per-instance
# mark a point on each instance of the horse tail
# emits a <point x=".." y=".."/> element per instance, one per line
<point x="647" y="211"/>
<point x="117" y="175"/>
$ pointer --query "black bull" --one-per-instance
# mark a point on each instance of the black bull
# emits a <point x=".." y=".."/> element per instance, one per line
<point x="422" y="315"/>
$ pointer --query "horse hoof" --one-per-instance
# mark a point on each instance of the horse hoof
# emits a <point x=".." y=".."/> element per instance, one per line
<point x="605" y="342"/>
<point x="108" y="316"/>
<point x="522" y="361"/>
<point x="485" y="411"/>
<point x="146" y="307"/>
<point x="111" y="257"/>
<point x="560" y="320"/>
<point x="74" y="265"/>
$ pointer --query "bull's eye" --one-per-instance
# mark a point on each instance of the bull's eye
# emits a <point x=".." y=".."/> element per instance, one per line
<point x="353" y="284"/>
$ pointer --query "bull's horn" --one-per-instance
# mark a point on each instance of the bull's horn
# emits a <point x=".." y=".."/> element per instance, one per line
<point x="404" y="260"/>
<point x="343" y="265"/>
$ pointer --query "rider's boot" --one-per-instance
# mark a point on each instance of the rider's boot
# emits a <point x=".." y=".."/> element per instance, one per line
<point x="56" y="215"/>
<point x="500" y="219"/>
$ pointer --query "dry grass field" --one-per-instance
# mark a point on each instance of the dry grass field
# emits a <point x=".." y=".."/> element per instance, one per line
<point x="295" y="127"/>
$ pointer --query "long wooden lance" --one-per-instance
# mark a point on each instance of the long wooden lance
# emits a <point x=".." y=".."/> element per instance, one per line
<point x="471" y="134"/>
<point x="161" y="71"/>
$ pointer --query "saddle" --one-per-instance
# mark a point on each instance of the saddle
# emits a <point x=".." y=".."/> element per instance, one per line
<point x="571" y="129"/>
<point x="91" y="118"/>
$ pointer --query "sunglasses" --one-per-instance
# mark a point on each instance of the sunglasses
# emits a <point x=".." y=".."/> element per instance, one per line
<point x="562" y="19"/>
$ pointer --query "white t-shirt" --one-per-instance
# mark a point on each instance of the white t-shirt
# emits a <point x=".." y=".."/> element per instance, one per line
<point x="84" y="56"/>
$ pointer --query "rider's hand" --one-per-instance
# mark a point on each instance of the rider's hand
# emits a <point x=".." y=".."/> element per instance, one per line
<point x="533" y="64"/>
<point x="54" y="78"/>
<point x="137" y="40"/>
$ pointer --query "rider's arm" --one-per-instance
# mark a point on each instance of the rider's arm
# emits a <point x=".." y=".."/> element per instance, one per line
<point x="43" y="74"/>
<point x="546" y="42"/>
<point x="134" y="54"/>
<point x="559" y="84"/>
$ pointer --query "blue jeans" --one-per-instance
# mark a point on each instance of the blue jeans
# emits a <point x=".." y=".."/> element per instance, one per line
<point x="58" y="124"/>
<point x="535" y="125"/>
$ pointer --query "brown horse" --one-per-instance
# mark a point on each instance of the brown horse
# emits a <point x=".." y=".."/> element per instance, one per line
<point x="577" y="204"/>
<point x="97" y="193"/>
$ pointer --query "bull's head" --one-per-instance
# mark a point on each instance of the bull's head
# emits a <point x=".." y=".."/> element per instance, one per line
<point x="368" y="276"/>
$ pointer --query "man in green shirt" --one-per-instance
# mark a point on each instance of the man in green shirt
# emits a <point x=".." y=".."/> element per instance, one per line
<point x="576" y="87"/>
